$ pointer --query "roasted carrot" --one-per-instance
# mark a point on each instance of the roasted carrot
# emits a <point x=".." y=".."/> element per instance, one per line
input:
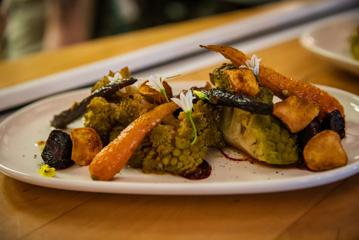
<point x="281" y="85"/>
<point x="111" y="159"/>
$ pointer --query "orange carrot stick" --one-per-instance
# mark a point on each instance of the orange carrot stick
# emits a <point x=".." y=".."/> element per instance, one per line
<point x="281" y="85"/>
<point x="111" y="159"/>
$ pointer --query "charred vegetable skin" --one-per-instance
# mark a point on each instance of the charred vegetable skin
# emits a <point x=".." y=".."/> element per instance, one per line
<point x="78" y="109"/>
<point x="202" y="171"/>
<point x="57" y="151"/>
<point x="230" y="99"/>
<point x="332" y="121"/>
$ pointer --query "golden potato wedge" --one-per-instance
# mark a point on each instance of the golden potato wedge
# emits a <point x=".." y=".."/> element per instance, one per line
<point x="295" y="112"/>
<point x="86" y="143"/>
<point x="324" y="151"/>
<point x="243" y="80"/>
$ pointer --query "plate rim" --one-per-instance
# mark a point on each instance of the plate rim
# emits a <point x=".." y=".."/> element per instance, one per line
<point x="181" y="188"/>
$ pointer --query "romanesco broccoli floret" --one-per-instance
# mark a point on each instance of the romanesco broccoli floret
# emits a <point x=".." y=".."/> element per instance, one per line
<point x="171" y="149"/>
<point x="110" y="118"/>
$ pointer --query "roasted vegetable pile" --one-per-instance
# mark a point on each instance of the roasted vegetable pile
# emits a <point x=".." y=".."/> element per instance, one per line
<point x="262" y="136"/>
<point x="146" y="127"/>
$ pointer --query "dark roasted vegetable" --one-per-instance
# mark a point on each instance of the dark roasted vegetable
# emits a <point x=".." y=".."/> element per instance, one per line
<point x="201" y="172"/>
<point x="331" y="121"/>
<point x="78" y="109"/>
<point x="57" y="151"/>
<point x="334" y="121"/>
<point x="231" y="99"/>
<point x="308" y="132"/>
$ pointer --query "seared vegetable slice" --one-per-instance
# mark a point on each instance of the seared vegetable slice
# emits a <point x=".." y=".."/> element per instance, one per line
<point x="116" y="154"/>
<point x="231" y="99"/>
<point x="57" y="151"/>
<point x="296" y="113"/>
<point x="86" y="143"/>
<point x="324" y="151"/>
<point x="334" y="121"/>
<point x="78" y="109"/>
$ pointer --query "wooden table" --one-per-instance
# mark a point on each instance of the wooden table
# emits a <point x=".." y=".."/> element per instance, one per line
<point x="32" y="212"/>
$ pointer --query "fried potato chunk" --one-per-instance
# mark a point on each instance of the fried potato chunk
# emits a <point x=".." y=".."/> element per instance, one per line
<point x="86" y="143"/>
<point x="295" y="112"/>
<point x="243" y="80"/>
<point x="324" y="151"/>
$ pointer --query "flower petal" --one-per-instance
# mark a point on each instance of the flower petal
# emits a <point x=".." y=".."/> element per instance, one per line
<point x="178" y="102"/>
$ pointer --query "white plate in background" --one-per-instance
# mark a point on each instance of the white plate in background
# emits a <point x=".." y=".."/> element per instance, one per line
<point x="331" y="41"/>
<point x="20" y="159"/>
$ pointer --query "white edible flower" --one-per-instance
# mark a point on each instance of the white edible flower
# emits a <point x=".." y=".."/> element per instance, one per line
<point x="253" y="64"/>
<point x="185" y="102"/>
<point x="116" y="77"/>
<point x="156" y="82"/>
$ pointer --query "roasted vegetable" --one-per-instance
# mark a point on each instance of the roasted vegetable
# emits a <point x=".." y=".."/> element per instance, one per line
<point x="262" y="136"/>
<point x="334" y="121"/>
<point x="57" y="151"/>
<point x="220" y="78"/>
<point x="295" y="113"/>
<point x="231" y="99"/>
<point x="154" y="96"/>
<point x="324" y="151"/>
<point x="115" y="156"/>
<point x="78" y="109"/>
<point x="283" y="86"/>
<point x="170" y="148"/>
<point x="110" y="118"/>
<point x="312" y="129"/>
<point x="86" y="143"/>
<point x="243" y="81"/>
<point x="201" y="172"/>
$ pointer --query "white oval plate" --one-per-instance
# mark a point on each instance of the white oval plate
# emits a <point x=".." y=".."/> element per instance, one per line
<point x="20" y="159"/>
<point x="330" y="40"/>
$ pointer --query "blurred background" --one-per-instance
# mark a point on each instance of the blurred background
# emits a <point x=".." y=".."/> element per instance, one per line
<point x="29" y="26"/>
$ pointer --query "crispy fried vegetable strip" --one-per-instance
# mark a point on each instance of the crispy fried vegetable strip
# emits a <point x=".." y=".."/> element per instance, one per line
<point x="114" y="156"/>
<point x="78" y="109"/>
<point x="280" y="85"/>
